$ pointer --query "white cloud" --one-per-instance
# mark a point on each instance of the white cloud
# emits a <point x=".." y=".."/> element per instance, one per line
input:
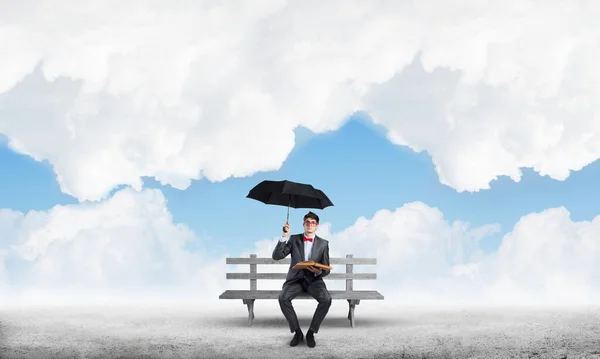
<point x="126" y="248"/>
<point x="547" y="259"/>
<point x="418" y="253"/>
<point x="119" y="91"/>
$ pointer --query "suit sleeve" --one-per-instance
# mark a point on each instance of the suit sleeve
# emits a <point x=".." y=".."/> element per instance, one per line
<point x="282" y="249"/>
<point x="324" y="273"/>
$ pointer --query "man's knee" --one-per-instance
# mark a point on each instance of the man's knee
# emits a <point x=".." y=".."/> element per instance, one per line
<point x="325" y="299"/>
<point x="284" y="297"/>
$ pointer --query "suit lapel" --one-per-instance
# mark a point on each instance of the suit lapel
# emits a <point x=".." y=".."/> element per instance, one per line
<point x="313" y="251"/>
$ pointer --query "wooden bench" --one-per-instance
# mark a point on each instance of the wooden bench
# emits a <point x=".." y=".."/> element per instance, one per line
<point x="352" y="296"/>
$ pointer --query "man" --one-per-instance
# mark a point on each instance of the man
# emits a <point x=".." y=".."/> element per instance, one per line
<point x="303" y="247"/>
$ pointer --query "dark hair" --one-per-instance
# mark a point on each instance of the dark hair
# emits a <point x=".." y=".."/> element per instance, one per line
<point x="311" y="215"/>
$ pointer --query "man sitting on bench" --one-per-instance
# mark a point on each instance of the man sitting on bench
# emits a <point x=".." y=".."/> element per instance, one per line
<point x="304" y="247"/>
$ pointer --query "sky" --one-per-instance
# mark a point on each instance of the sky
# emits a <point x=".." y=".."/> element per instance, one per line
<point x="458" y="143"/>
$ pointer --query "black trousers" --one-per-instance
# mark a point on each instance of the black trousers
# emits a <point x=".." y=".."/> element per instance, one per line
<point x="317" y="289"/>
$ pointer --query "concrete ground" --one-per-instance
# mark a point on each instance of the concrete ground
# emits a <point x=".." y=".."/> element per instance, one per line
<point x="220" y="330"/>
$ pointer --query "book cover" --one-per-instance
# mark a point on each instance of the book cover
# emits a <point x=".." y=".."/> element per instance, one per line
<point x="303" y="265"/>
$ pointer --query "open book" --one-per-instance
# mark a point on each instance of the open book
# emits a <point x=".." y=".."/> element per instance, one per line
<point x="303" y="265"/>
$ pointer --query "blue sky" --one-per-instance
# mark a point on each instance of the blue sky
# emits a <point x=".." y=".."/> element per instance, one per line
<point x="336" y="99"/>
<point x="356" y="166"/>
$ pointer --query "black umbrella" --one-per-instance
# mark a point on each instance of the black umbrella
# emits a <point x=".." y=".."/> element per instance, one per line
<point x="290" y="194"/>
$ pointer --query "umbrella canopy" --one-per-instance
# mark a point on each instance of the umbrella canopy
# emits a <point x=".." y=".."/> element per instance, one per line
<point x="290" y="194"/>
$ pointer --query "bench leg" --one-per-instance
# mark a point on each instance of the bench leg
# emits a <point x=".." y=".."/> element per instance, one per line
<point x="250" y="304"/>
<point x="352" y="304"/>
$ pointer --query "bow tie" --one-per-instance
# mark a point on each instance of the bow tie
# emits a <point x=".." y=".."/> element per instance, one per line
<point x="308" y="239"/>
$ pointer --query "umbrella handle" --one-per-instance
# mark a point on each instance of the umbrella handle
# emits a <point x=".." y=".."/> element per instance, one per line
<point x="288" y="213"/>
<point x="289" y="202"/>
<point x="283" y="228"/>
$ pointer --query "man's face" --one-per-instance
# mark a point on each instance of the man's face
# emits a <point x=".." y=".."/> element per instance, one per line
<point x="310" y="225"/>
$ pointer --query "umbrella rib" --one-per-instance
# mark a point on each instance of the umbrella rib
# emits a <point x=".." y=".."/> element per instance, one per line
<point x="270" y="197"/>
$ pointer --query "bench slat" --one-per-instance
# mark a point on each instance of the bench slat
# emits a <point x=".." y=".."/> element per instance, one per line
<point x="332" y="261"/>
<point x="274" y="294"/>
<point x="343" y="276"/>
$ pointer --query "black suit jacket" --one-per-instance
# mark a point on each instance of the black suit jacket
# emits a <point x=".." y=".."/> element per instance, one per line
<point x="295" y="247"/>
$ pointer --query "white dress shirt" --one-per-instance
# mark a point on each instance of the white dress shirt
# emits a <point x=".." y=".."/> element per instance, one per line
<point x="307" y="249"/>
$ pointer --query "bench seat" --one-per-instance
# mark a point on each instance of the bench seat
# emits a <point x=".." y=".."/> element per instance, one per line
<point x="274" y="294"/>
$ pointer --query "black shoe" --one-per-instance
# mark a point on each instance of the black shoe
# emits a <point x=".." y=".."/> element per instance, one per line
<point x="297" y="338"/>
<point x="310" y="339"/>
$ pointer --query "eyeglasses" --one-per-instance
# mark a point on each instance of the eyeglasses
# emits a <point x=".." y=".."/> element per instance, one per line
<point x="308" y="223"/>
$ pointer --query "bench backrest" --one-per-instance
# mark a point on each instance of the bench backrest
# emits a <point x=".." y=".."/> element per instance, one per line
<point x="253" y="276"/>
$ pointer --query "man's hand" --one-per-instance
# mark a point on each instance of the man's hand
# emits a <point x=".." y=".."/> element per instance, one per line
<point x="286" y="229"/>
<point x="313" y="269"/>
